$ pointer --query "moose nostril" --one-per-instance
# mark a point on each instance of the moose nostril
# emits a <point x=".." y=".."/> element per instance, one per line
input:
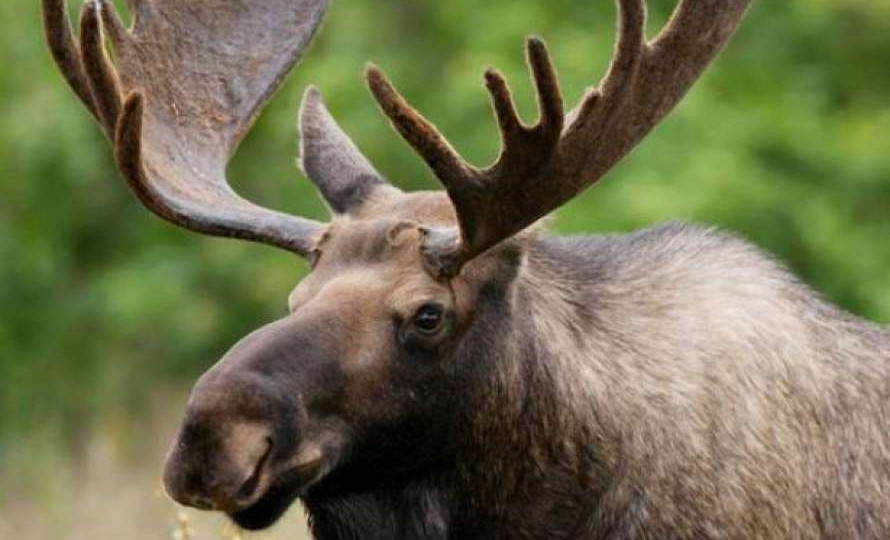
<point x="249" y="488"/>
<point x="201" y="503"/>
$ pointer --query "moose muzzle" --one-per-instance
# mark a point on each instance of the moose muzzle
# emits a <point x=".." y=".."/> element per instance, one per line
<point x="244" y="422"/>
<point x="247" y="445"/>
<point x="222" y="456"/>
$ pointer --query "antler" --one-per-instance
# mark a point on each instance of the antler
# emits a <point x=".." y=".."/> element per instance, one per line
<point x="195" y="75"/>
<point x="543" y="166"/>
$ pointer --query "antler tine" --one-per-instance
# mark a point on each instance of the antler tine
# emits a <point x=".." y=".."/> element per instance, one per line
<point x="683" y="32"/>
<point x="102" y="78"/>
<point x="514" y="134"/>
<point x="550" y="102"/>
<point x="504" y="107"/>
<point x="629" y="47"/>
<point x="542" y="167"/>
<point x="195" y="75"/>
<point x="417" y="131"/>
<point x="128" y="151"/>
<point x="112" y="23"/>
<point x="63" y="48"/>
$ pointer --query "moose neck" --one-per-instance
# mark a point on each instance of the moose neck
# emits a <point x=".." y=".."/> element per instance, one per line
<point x="538" y="442"/>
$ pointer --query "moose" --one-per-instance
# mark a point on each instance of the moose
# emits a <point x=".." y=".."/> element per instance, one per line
<point x="447" y="369"/>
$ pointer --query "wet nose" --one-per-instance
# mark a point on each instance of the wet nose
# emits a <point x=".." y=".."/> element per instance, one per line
<point x="218" y="466"/>
<point x="222" y="455"/>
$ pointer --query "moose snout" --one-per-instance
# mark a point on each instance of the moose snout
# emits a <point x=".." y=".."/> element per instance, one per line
<point x="222" y="456"/>
<point x="207" y="470"/>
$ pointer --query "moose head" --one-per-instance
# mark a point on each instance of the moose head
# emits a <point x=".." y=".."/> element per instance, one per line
<point x="410" y="294"/>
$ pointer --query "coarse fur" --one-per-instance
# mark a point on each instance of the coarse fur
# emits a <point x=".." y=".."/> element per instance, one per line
<point x="672" y="383"/>
<point x="446" y="370"/>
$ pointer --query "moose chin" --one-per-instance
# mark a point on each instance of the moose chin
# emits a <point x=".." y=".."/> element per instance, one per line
<point x="448" y="370"/>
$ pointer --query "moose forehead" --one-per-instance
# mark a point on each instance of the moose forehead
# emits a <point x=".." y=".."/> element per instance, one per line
<point x="384" y="229"/>
<point x="430" y="208"/>
<point x="363" y="243"/>
<point x="377" y="248"/>
<point x="368" y="234"/>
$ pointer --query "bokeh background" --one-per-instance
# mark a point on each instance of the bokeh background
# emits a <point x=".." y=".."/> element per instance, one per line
<point x="107" y="314"/>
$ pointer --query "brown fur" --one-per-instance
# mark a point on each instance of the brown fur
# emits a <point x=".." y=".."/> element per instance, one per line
<point x="447" y="371"/>
<point x="674" y="383"/>
<point x="708" y="395"/>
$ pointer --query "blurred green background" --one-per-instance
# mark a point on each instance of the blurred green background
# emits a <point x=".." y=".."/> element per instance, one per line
<point x="104" y="308"/>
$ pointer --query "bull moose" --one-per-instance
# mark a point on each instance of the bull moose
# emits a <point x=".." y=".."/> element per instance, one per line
<point x="449" y="370"/>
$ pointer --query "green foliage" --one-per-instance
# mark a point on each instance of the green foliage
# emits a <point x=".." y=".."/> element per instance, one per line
<point x="785" y="141"/>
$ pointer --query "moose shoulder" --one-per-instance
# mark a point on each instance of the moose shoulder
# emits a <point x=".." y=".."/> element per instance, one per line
<point x="450" y="371"/>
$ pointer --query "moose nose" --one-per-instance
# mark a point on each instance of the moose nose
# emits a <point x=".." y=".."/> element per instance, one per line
<point x="218" y="466"/>
<point x="222" y="455"/>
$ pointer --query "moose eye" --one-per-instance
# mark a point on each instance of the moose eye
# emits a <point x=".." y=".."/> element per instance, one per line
<point x="429" y="318"/>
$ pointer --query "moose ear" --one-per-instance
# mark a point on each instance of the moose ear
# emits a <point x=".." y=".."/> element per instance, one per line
<point x="332" y="161"/>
